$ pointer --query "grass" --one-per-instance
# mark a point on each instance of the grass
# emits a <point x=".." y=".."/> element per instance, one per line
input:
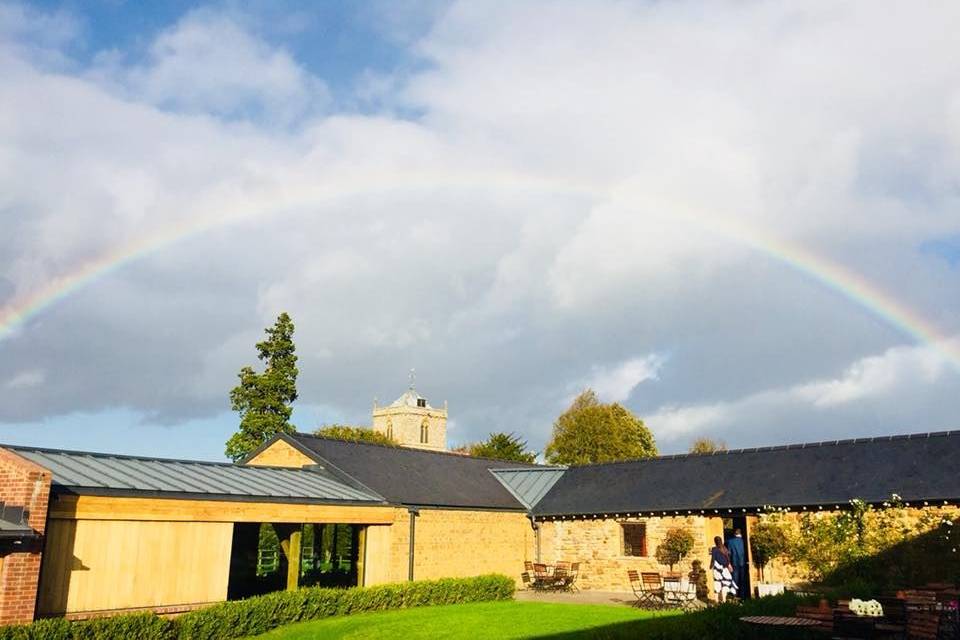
<point x="482" y="620"/>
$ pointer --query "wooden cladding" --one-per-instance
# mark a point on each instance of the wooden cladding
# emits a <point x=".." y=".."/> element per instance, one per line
<point x="96" y="565"/>
<point x="173" y="510"/>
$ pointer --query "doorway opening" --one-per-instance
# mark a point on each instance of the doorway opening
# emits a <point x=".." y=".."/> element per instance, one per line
<point x="730" y="525"/>
<point x="327" y="555"/>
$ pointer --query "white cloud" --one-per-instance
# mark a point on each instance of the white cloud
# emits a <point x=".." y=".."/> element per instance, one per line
<point x="210" y="62"/>
<point x="875" y="375"/>
<point x="26" y="380"/>
<point x="891" y="376"/>
<point x="614" y="384"/>
<point x="570" y="190"/>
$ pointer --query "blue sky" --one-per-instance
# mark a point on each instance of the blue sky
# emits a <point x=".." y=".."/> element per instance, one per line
<point x="519" y="200"/>
<point x="337" y="41"/>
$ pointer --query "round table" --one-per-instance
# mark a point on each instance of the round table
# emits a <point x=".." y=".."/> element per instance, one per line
<point x="780" y="621"/>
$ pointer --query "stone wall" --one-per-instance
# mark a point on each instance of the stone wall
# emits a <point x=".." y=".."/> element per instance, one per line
<point x="597" y="544"/>
<point x="403" y="425"/>
<point x="909" y="518"/>
<point x="449" y="544"/>
<point x="22" y="484"/>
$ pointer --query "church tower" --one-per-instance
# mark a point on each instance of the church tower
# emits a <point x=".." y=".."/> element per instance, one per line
<point x="412" y="422"/>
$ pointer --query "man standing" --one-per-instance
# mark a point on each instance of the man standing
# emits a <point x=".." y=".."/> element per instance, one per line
<point x="738" y="558"/>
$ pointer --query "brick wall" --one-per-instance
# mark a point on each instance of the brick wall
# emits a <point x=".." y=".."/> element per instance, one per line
<point x="22" y="483"/>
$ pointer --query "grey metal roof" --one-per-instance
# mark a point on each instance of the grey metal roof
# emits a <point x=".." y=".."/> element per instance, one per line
<point x="13" y="523"/>
<point x="84" y="472"/>
<point x="528" y="485"/>
<point x="920" y="467"/>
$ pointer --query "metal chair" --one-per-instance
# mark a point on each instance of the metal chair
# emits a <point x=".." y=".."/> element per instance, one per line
<point x="561" y="579"/>
<point x="527" y="582"/>
<point x="647" y="588"/>
<point x="542" y="576"/>
<point x="573" y="575"/>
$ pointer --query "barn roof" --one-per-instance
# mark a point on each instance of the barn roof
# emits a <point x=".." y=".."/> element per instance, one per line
<point x="921" y="467"/>
<point x="107" y="474"/>
<point x="13" y="524"/>
<point x="413" y="476"/>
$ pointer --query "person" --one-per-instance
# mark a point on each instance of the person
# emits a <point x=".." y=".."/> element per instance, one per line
<point x="738" y="558"/>
<point x="723" y="584"/>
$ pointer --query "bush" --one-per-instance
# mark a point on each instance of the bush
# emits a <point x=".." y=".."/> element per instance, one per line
<point x="258" y="615"/>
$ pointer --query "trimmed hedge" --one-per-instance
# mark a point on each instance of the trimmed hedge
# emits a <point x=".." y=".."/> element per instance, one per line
<point x="260" y="614"/>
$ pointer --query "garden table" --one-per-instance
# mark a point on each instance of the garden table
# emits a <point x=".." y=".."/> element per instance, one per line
<point x="680" y="591"/>
<point x="779" y="621"/>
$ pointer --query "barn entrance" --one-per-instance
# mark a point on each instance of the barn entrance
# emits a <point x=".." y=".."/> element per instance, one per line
<point x="275" y="556"/>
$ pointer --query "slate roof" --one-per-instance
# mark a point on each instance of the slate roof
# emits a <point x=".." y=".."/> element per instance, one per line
<point x="106" y="474"/>
<point x="916" y="467"/>
<point x="413" y="476"/>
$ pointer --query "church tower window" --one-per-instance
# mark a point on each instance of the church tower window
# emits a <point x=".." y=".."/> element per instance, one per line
<point x="424" y="432"/>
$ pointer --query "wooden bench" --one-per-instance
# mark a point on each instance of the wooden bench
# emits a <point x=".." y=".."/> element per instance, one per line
<point x="824" y="616"/>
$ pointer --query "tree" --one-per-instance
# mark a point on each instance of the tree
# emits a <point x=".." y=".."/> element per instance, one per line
<point x="676" y="544"/>
<point x="590" y="431"/>
<point x="502" y="446"/>
<point x="263" y="399"/>
<point x="706" y="445"/>
<point x="768" y="540"/>
<point x="354" y="434"/>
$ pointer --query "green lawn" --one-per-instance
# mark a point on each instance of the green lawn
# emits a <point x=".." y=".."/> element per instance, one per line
<point x="482" y="620"/>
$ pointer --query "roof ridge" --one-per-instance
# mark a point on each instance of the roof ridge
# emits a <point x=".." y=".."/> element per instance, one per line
<point x="782" y="447"/>
<point x="124" y="456"/>
<point x="533" y="465"/>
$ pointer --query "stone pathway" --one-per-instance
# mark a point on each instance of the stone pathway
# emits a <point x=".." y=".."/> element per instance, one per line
<point x="579" y="597"/>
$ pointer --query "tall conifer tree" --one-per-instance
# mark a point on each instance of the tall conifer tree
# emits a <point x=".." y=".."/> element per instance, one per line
<point x="263" y="399"/>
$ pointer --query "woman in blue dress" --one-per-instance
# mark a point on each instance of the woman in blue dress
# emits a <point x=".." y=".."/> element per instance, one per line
<point x="723" y="584"/>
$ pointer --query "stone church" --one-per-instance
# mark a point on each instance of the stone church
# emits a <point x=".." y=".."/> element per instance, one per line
<point x="412" y="422"/>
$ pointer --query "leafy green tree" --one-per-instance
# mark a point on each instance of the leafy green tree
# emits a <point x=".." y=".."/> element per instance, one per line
<point x="590" y="431"/>
<point x="353" y="434"/>
<point x="676" y="544"/>
<point x="502" y="446"/>
<point x="706" y="445"/>
<point x="263" y="399"/>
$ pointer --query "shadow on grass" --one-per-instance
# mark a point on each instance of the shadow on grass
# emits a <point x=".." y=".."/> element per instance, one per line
<point x="719" y="622"/>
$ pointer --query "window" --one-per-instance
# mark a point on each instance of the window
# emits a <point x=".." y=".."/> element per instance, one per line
<point x="634" y="539"/>
<point x="424" y="432"/>
<point x="421" y="402"/>
<point x="390" y="428"/>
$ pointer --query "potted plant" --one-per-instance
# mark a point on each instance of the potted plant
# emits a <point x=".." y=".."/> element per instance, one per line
<point x="676" y="544"/>
<point x="767" y="542"/>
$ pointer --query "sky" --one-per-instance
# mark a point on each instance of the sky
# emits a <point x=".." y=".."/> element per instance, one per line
<point x="740" y="220"/>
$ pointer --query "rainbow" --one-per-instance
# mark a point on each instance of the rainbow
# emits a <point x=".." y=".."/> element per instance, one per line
<point x="19" y="311"/>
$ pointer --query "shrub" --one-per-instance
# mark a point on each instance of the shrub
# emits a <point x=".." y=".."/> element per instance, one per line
<point x="260" y="614"/>
<point x="677" y="543"/>
<point x="768" y="540"/>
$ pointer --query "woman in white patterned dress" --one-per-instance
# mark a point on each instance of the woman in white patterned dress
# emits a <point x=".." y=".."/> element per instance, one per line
<point x="723" y="584"/>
